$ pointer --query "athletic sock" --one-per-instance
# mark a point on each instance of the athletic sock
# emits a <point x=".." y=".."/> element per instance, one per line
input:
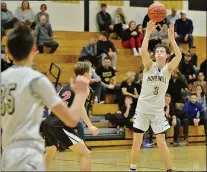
<point x="133" y="167"/>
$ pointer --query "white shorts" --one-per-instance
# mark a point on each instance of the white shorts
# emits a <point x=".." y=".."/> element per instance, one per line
<point x="23" y="159"/>
<point x="158" y="123"/>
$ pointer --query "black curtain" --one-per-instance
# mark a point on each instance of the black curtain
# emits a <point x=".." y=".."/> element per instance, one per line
<point x="141" y="3"/>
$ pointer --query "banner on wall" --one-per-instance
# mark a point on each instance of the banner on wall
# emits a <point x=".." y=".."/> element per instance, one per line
<point x="173" y="4"/>
<point x="112" y="2"/>
<point x="141" y="3"/>
<point x="69" y="1"/>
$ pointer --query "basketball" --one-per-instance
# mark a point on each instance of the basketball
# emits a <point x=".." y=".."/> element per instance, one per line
<point x="157" y="12"/>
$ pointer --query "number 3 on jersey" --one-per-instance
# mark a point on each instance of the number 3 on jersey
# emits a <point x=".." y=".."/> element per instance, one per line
<point x="6" y="94"/>
<point x="156" y="88"/>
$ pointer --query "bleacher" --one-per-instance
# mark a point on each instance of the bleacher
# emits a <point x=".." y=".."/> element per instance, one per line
<point x="67" y="55"/>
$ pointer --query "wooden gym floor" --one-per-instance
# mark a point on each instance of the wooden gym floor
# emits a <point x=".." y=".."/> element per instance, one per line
<point x="189" y="158"/>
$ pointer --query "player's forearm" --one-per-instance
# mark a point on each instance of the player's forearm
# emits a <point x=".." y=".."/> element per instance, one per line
<point x="176" y="50"/>
<point x="85" y="117"/>
<point x="145" y="41"/>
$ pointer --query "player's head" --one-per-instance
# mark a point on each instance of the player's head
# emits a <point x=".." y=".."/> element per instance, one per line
<point x="193" y="98"/>
<point x="83" y="69"/>
<point x="107" y="62"/>
<point x="21" y="45"/>
<point x="128" y="100"/>
<point x="167" y="99"/>
<point x="161" y="52"/>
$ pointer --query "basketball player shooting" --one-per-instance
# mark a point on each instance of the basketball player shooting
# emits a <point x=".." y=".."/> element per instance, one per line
<point x="150" y="106"/>
<point x="23" y="94"/>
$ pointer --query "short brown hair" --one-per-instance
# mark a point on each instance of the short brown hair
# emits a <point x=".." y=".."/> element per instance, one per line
<point x="162" y="46"/>
<point x="104" y="33"/>
<point x="103" y="5"/>
<point x="107" y="58"/>
<point x="81" y="68"/>
<point x="187" y="54"/>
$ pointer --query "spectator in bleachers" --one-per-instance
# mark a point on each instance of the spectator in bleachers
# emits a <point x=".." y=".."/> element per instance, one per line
<point x="153" y="40"/>
<point x="104" y="20"/>
<point x="128" y="88"/>
<point x="184" y="30"/>
<point x="106" y="48"/>
<point x="187" y="69"/>
<point x="108" y="77"/>
<point x="163" y="34"/>
<point x="138" y="84"/>
<point x="201" y="97"/>
<point x="43" y="9"/>
<point x="172" y="119"/>
<point x="176" y="84"/>
<point x="8" y="21"/>
<point x="194" y="57"/>
<point x="25" y="13"/>
<point x="193" y="115"/>
<point x="120" y="23"/>
<point x="203" y="68"/>
<point x="201" y="82"/>
<point x="122" y="118"/>
<point x="89" y="52"/>
<point x="171" y="18"/>
<point x="44" y="35"/>
<point x="131" y="40"/>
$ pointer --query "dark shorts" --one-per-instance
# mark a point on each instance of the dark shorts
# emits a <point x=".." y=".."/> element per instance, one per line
<point x="59" y="135"/>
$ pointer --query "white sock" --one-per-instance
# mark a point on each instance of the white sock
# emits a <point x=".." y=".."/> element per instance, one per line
<point x="133" y="166"/>
<point x="135" y="52"/>
<point x="140" y="52"/>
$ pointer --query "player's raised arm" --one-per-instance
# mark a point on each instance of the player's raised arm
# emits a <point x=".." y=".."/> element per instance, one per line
<point x="145" y="54"/>
<point x="176" y="60"/>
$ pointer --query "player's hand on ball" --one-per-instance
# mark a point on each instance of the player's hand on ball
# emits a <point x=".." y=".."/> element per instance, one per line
<point x="80" y="85"/>
<point x="151" y="25"/>
<point x="171" y="32"/>
<point x="94" y="130"/>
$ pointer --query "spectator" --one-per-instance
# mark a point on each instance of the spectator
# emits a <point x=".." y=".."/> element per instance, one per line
<point x="8" y="21"/>
<point x="119" y="23"/>
<point x="106" y="48"/>
<point x="172" y="119"/>
<point x="203" y="68"/>
<point x="193" y="115"/>
<point x="89" y="52"/>
<point x="131" y="40"/>
<point x="44" y="35"/>
<point x="25" y="13"/>
<point x="108" y="78"/>
<point x="194" y="57"/>
<point x="201" y="82"/>
<point x="163" y="34"/>
<point x="184" y="30"/>
<point x="128" y="88"/>
<point x="122" y="118"/>
<point x="138" y="84"/>
<point x="104" y="20"/>
<point x="43" y="8"/>
<point x="171" y="18"/>
<point x="186" y="68"/>
<point x="153" y="40"/>
<point x="140" y="37"/>
<point x="201" y="97"/>
<point x="176" y="84"/>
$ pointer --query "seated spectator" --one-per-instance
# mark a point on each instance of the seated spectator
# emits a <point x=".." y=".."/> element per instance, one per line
<point x="153" y="40"/>
<point x="201" y="97"/>
<point x="8" y="21"/>
<point x="141" y="69"/>
<point x="138" y="84"/>
<point x="201" y="82"/>
<point x="194" y="57"/>
<point x="163" y="35"/>
<point x="104" y="20"/>
<point x="89" y="52"/>
<point x="25" y="13"/>
<point x="106" y="48"/>
<point x="186" y="68"/>
<point x="108" y="77"/>
<point x="203" y="68"/>
<point x="120" y="23"/>
<point x="184" y="30"/>
<point x="176" y="84"/>
<point x="171" y="18"/>
<point x="131" y="40"/>
<point x="44" y="36"/>
<point x="172" y="119"/>
<point x="193" y="115"/>
<point x="128" y="88"/>
<point x="122" y="118"/>
<point x="43" y="9"/>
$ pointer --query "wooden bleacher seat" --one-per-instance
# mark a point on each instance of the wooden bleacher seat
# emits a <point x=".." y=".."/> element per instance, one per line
<point x="102" y="109"/>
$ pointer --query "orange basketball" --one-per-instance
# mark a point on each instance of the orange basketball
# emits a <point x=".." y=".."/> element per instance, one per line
<point x="157" y="12"/>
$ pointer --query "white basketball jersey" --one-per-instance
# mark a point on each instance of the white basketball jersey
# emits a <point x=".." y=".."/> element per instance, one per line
<point x="154" y="86"/>
<point x="21" y="111"/>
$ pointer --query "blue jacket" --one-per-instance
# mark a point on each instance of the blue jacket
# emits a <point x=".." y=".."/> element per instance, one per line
<point x="192" y="109"/>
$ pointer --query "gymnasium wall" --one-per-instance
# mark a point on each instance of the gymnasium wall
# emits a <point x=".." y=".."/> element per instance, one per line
<point x="68" y="16"/>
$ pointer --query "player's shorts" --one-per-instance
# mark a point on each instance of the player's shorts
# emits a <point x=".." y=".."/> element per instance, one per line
<point x="58" y="134"/>
<point x="22" y="159"/>
<point x="158" y="123"/>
